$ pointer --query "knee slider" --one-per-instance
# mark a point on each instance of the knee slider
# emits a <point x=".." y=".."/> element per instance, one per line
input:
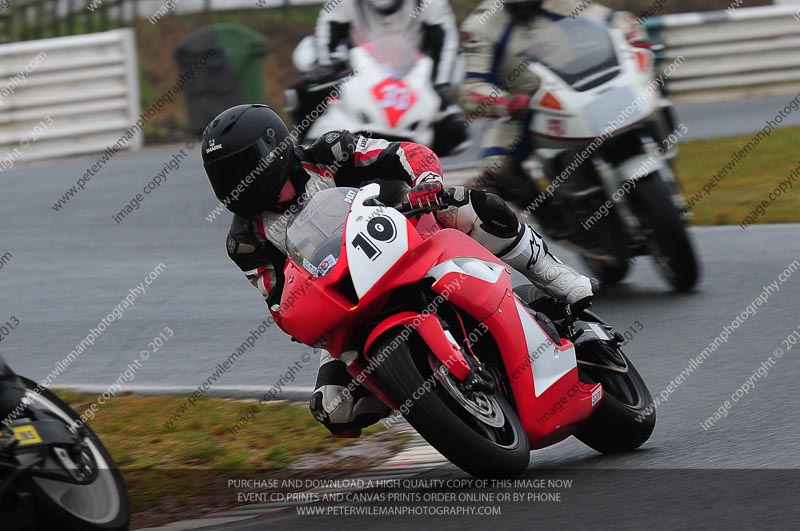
<point x="317" y="409"/>
<point x="495" y="215"/>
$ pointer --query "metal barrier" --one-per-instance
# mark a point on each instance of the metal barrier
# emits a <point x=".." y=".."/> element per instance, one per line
<point x="745" y="53"/>
<point x="68" y="95"/>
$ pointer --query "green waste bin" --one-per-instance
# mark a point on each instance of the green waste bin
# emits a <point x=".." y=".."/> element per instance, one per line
<point x="246" y="51"/>
<point x="230" y="76"/>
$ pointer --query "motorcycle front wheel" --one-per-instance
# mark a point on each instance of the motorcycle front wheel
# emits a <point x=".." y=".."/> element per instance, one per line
<point x="477" y="431"/>
<point x="100" y="505"/>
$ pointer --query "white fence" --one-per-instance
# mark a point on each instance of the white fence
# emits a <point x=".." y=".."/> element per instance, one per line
<point x="747" y="52"/>
<point x="67" y="95"/>
<point x="80" y="94"/>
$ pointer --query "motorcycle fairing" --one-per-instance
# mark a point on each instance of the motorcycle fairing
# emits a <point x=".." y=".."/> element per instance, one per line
<point x="441" y="342"/>
<point x="615" y="104"/>
<point x="336" y="314"/>
<point x="550" y="400"/>
<point x="377" y="238"/>
<point x="359" y="108"/>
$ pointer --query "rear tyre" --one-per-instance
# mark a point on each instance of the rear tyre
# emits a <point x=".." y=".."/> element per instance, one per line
<point x="607" y="237"/>
<point x="626" y="417"/>
<point x="472" y="444"/>
<point x="101" y="505"/>
<point x="675" y="256"/>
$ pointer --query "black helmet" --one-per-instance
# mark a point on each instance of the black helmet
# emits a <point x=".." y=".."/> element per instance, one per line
<point x="524" y="8"/>
<point x="248" y="156"/>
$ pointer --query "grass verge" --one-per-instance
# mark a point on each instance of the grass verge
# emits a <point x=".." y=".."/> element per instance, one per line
<point x="179" y="472"/>
<point x="742" y="190"/>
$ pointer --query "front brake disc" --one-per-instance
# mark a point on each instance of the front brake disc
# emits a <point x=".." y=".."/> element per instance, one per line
<point x="478" y="404"/>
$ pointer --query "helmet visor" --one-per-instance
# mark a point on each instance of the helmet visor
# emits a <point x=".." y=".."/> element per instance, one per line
<point x="249" y="181"/>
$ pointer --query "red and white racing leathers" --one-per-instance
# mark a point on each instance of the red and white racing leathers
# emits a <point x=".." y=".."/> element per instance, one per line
<point x="340" y="158"/>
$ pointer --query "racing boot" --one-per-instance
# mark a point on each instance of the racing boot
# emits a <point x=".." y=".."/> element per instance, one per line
<point x="340" y="403"/>
<point x="11" y="393"/>
<point x="531" y="257"/>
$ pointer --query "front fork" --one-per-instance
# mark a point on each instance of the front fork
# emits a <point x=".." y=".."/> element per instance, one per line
<point x="614" y="178"/>
<point x="440" y="342"/>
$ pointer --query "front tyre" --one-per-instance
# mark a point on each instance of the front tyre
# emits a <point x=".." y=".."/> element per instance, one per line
<point x="478" y="432"/>
<point x="626" y="417"/>
<point x="101" y="505"/>
<point x="674" y="253"/>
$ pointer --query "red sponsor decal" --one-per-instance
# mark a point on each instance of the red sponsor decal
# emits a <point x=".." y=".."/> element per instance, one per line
<point x="395" y="97"/>
<point x="556" y="127"/>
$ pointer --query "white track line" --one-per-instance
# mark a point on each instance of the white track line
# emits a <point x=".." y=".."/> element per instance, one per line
<point x="227" y="391"/>
<point x="417" y="457"/>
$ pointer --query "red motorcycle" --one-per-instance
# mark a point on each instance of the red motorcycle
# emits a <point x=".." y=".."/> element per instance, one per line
<point x="438" y="327"/>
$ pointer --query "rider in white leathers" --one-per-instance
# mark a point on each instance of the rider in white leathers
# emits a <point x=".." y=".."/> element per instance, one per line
<point x="426" y="25"/>
<point x="495" y="40"/>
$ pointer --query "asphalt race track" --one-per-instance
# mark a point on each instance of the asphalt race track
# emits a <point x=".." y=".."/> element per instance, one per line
<point x="607" y="500"/>
<point x="69" y="269"/>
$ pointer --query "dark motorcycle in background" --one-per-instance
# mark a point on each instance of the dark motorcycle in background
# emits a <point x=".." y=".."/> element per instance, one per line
<point x="55" y="473"/>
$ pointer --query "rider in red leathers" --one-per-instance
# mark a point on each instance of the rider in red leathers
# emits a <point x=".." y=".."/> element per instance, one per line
<point x="260" y="175"/>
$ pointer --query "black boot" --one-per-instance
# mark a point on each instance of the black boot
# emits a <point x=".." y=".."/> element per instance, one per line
<point x="12" y="391"/>
<point x="340" y="403"/>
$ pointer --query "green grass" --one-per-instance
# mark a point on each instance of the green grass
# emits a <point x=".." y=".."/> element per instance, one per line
<point x="750" y="183"/>
<point x="199" y="450"/>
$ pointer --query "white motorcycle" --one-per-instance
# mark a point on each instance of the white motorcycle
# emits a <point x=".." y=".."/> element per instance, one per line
<point x="382" y="88"/>
<point x="605" y="137"/>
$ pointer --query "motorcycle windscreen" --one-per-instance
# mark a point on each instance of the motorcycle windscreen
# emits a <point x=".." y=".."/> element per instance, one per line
<point x="314" y="236"/>
<point x="580" y="51"/>
<point x="393" y="53"/>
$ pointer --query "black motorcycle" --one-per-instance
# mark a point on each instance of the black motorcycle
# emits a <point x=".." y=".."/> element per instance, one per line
<point x="55" y="474"/>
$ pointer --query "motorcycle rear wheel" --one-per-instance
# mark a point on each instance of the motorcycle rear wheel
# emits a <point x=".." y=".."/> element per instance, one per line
<point x="675" y="257"/>
<point x="610" y="232"/>
<point x="457" y="433"/>
<point x="626" y="416"/>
